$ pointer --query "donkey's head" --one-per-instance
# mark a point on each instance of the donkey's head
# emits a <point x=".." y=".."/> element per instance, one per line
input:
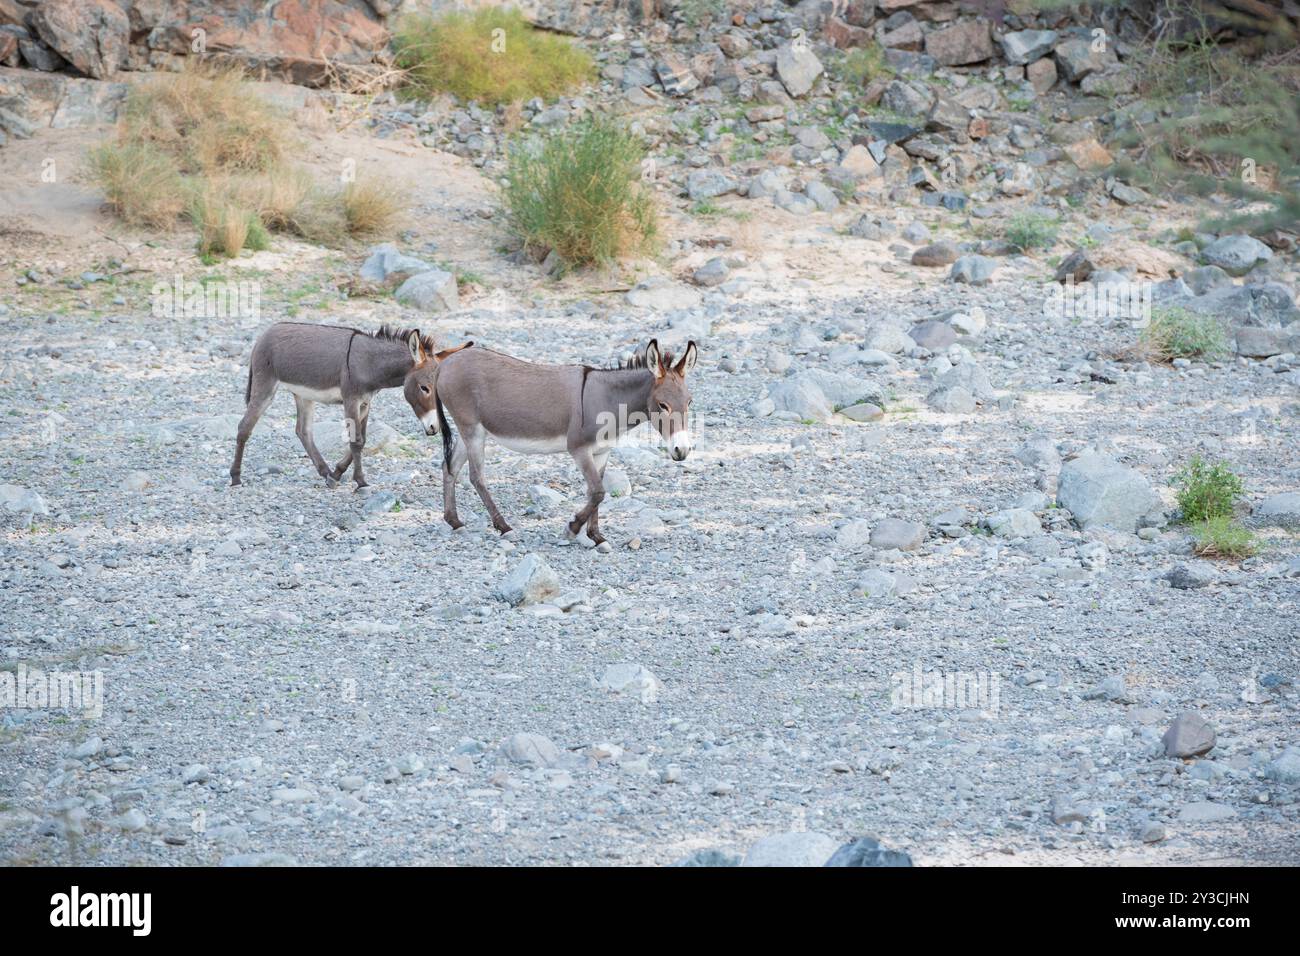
<point x="669" y="406"/>
<point x="422" y="380"/>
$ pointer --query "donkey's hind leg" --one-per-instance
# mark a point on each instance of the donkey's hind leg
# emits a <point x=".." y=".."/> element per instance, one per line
<point x="474" y="450"/>
<point x="588" y="515"/>
<point x="306" y="411"/>
<point x="259" y="397"/>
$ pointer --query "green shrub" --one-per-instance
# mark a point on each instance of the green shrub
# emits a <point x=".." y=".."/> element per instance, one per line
<point x="1206" y="490"/>
<point x="860" y="65"/>
<point x="225" y="226"/>
<point x="141" y="183"/>
<point x="1222" y="537"/>
<point x="1223" y="111"/>
<point x="1176" y="332"/>
<point x="491" y="55"/>
<point x="1029" y="230"/>
<point x="579" y="193"/>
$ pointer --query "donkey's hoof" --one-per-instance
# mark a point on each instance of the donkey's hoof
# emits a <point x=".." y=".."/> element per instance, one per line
<point x="331" y="481"/>
<point x="454" y="523"/>
<point x="604" y="547"/>
<point x="235" y="483"/>
<point x="360" y="487"/>
<point x="504" y="528"/>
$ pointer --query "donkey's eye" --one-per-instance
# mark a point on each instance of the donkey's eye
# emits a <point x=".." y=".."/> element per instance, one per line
<point x="424" y="389"/>
<point x="665" y="409"/>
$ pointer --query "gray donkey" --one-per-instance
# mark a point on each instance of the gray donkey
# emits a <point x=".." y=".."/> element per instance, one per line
<point x="545" y="409"/>
<point x="336" y="365"/>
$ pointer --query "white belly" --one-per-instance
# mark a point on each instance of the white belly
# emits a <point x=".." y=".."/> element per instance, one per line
<point x="329" y="396"/>
<point x="534" y="446"/>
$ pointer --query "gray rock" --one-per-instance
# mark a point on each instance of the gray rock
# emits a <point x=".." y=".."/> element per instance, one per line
<point x="791" y="849"/>
<point x="1279" y="511"/>
<point x="935" y="336"/>
<point x="1100" y="492"/>
<point x="896" y="534"/>
<point x="822" y="195"/>
<point x="531" y="581"/>
<point x="1015" y="523"/>
<point x="1188" y="577"/>
<point x="796" y="203"/>
<point x="709" y="184"/>
<point x="1076" y="58"/>
<point x="942" y="253"/>
<point x="1025" y="46"/>
<point x="530" y="749"/>
<point x="432" y="291"/>
<point x="973" y="269"/>
<point x="1286" y="768"/>
<point x="797" y="67"/>
<point x="712" y="273"/>
<point x="865" y="851"/>
<point x="802" y="398"/>
<point x="1237" y="254"/>
<point x="951" y="400"/>
<point x="385" y="264"/>
<point x="1188" y="736"/>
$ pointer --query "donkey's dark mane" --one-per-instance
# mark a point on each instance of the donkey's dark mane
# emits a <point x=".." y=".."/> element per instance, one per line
<point x="637" y="361"/>
<point x="391" y="333"/>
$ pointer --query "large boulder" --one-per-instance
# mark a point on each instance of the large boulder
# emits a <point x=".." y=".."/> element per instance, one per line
<point x="1236" y="255"/>
<point x="798" y="68"/>
<point x="1100" y="492"/>
<point x="1026" y="46"/>
<point x="92" y="35"/>
<point x="431" y="291"/>
<point x="965" y="42"/>
<point x="302" y="41"/>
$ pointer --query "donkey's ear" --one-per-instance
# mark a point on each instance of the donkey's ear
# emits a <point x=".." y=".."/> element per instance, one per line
<point x="687" y="361"/>
<point x="417" y="350"/>
<point x="654" y="359"/>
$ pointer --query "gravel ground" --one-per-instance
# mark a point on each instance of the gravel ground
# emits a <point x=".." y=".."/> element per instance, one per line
<point x="294" y="673"/>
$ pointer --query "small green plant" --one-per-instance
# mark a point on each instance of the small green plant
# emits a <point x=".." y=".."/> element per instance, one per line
<point x="579" y="193"/>
<point x="1222" y="537"/>
<point x="1028" y="231"/>
<point x="861" y="65"/>
<point x="491" y="55"/>
<point x="1207" y="491"/>
<point x="1177" y="332"/>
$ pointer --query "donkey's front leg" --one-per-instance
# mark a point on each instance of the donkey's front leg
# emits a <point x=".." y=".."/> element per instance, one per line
<point x="474" y="451"/>
<point x="588" y="514"/>
<point x="450" y="472"/>
<point x="356" y="412"/>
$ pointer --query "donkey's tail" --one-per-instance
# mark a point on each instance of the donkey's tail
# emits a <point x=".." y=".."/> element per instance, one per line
<point x="446" y="432"/>
<point x="248" y="389"/>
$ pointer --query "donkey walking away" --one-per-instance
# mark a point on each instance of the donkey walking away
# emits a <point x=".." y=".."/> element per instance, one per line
<point x="337" y="365"/>
<point x="546" y="409"/>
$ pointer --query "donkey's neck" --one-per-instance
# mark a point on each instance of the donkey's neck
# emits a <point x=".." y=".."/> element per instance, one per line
<point x="624" y="393"/>
<point x="378" y="363"/>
